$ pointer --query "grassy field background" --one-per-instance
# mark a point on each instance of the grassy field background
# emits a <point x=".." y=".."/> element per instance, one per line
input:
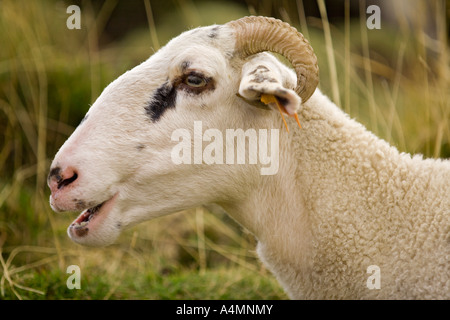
<point x="394" y="80"/>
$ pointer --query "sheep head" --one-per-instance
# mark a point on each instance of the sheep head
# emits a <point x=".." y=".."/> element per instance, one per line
<point x="117" y="165"/>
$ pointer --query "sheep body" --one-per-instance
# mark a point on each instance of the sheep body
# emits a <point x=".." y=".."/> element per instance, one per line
<point x="360" y="203"/>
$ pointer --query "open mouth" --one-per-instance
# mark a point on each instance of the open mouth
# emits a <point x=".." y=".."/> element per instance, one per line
<point x="88" y="218"/>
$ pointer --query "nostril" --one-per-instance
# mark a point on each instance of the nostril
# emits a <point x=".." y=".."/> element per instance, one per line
<point x="64" y="182"/>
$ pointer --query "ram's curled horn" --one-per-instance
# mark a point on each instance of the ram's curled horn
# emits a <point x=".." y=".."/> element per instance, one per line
<point x="258" y="34"/>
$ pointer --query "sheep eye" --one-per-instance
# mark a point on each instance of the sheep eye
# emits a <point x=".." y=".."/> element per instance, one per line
<point x="195" y="81"/>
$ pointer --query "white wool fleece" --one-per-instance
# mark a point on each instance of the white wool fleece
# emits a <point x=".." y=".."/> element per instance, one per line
<point x="358" y="202"/>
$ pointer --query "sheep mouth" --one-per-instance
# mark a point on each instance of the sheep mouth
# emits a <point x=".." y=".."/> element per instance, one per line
<point x="89" y="218"/>
<point x="85" y="217"/>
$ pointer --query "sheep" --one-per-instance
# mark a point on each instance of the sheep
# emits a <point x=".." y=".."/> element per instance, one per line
<point x="345" y="215"/>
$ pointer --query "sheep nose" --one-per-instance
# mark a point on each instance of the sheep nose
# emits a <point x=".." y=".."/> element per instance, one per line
<point x="58" y="178"/>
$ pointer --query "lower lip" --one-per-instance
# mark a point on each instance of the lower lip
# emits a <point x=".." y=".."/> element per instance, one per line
<point x="77" y="231"/>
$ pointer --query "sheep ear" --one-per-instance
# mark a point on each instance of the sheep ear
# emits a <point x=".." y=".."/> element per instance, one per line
<point x="264" y="75"/>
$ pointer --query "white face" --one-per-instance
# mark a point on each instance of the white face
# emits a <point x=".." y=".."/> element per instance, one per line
<point x="117" y="167"/>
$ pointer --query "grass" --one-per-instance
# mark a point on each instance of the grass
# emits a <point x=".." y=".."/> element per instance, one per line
<point x="394" y="80"/>
<point x="48" y="281"/>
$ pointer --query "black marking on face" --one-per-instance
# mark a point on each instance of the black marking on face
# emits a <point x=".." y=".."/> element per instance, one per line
<point x="80" y="203"/>
<point x="229" y="54"/>
<point x="166" y="95"/>
<point x="81" y="232"/>
<point x="185" y="65"/>
<point x="163" y="99"/>
<point x="214" y="32"/>
<point x="55" y="172"/>
<point x="140" y="147"/>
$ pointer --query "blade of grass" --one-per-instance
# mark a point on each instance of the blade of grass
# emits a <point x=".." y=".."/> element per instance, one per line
<point x="367" y="66"/>
<point x="302" y="18"/>
<point x="200" y="238"/>
<point x="151" y="25"/>
<point x="347" y="56"/>
<point x="95" y="27"/>
<point x="190" y="13"/>
<point x="330" y="52"/>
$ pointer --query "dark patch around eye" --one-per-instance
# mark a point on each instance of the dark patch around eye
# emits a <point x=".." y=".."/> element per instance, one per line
<point x="163" y="99"/>
<point x="209" y="83"/>
<point x="166" y="95"/>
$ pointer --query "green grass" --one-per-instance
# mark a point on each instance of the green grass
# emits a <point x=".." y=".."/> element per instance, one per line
<point x="394" y="81"/>
<point x="218" y="283"/>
